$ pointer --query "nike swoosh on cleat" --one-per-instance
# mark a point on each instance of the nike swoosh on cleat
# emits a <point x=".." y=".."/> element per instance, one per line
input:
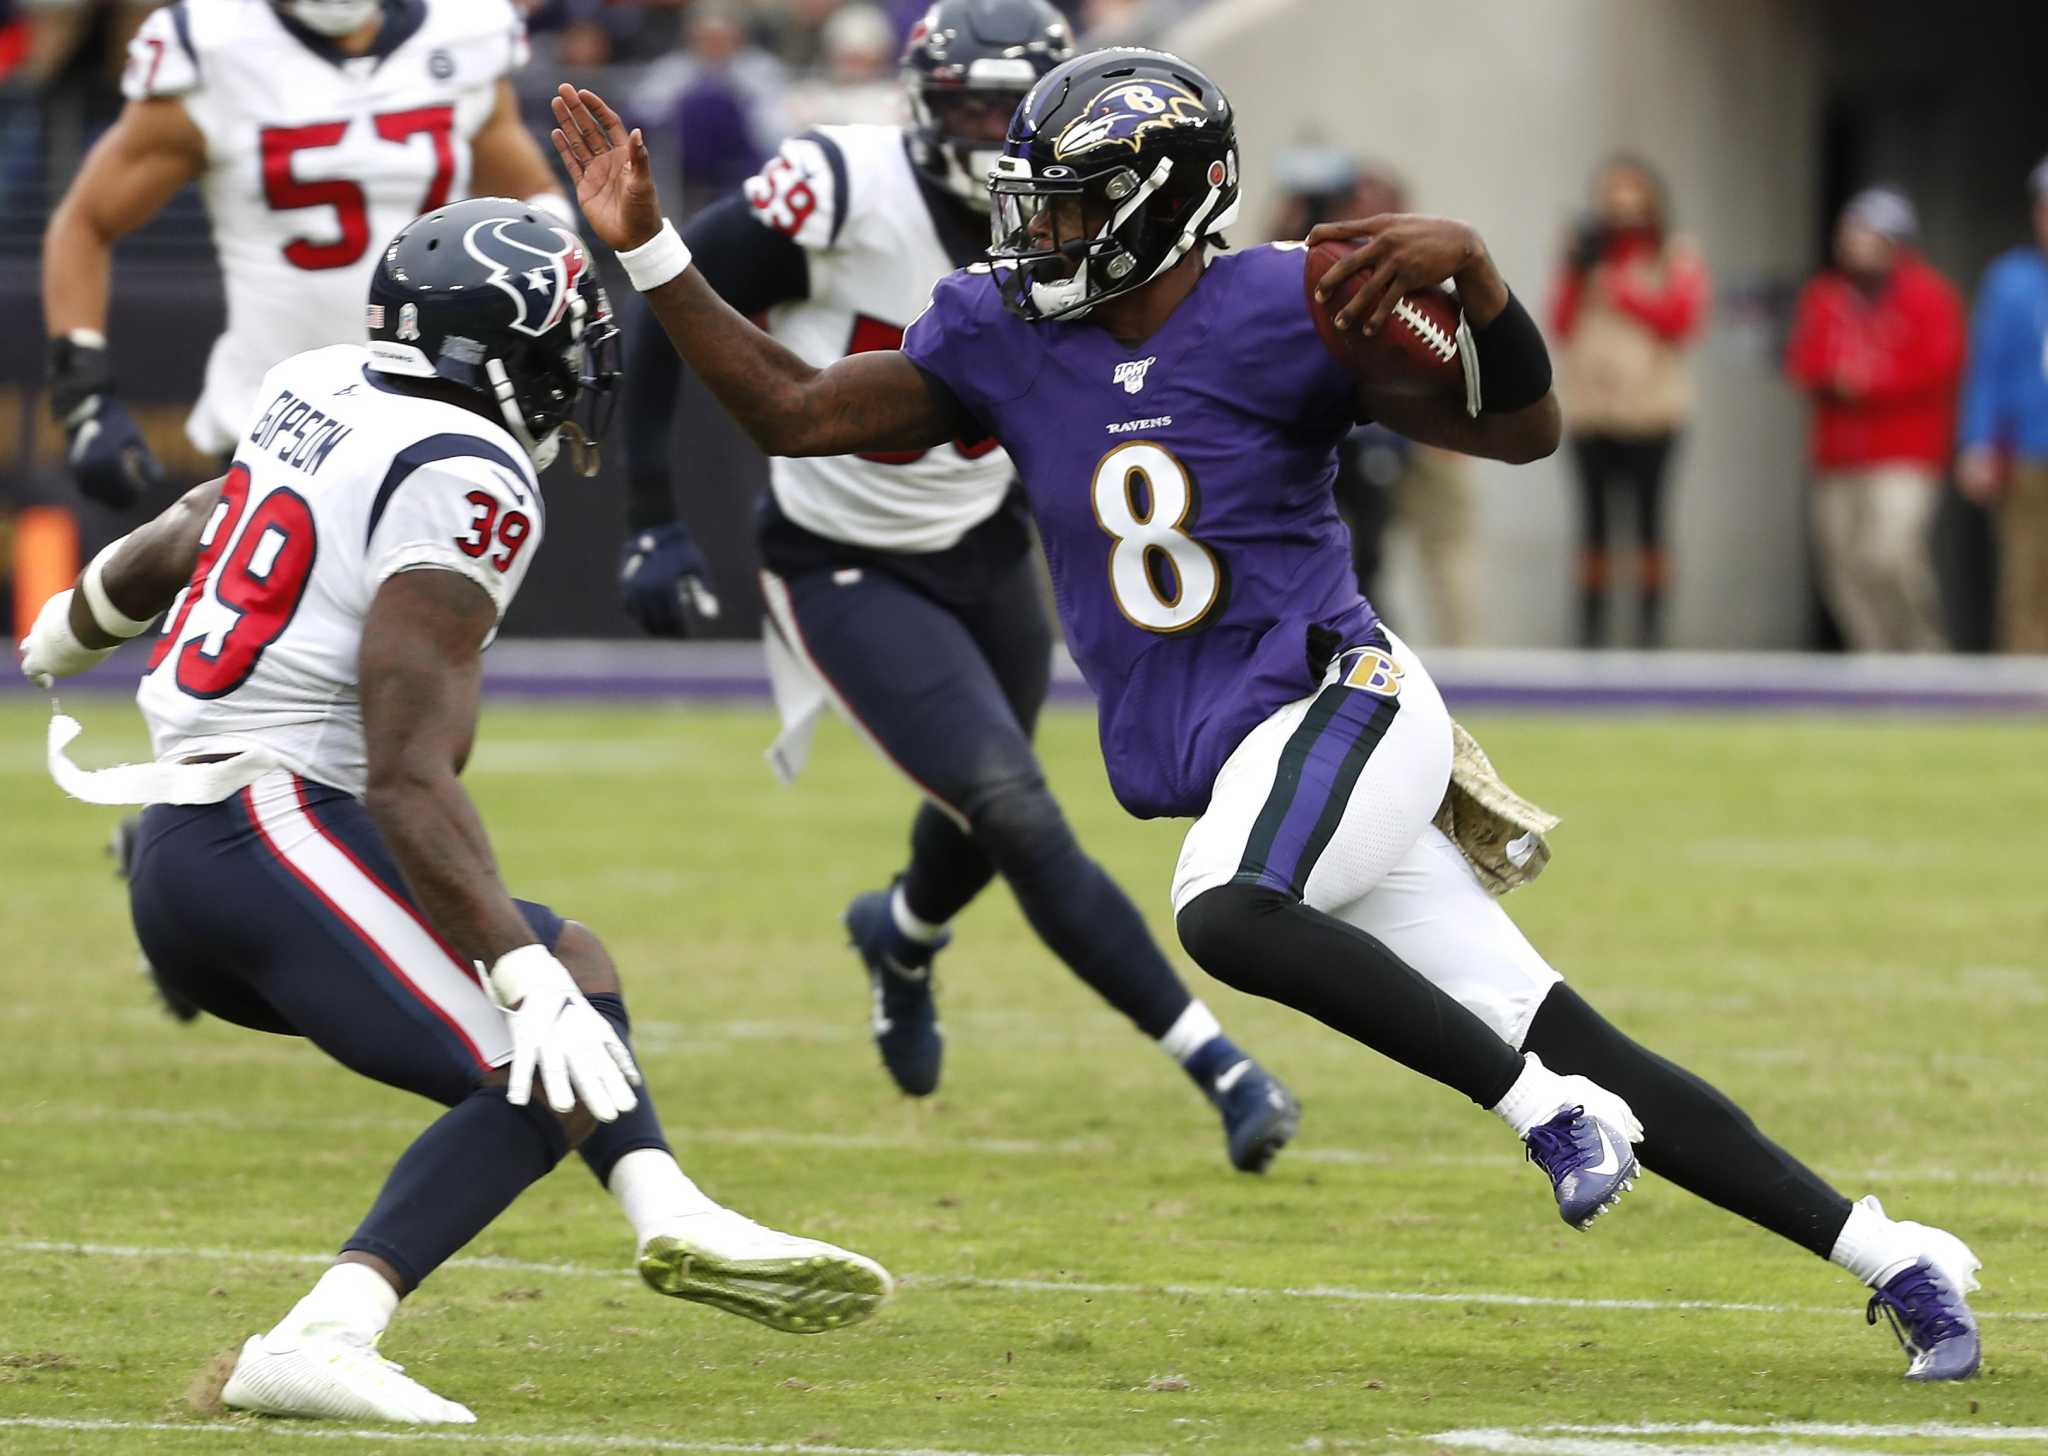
<point x="1608" y="1163"/>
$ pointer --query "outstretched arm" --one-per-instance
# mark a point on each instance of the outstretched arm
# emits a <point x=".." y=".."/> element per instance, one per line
<point x="868" y="402"/>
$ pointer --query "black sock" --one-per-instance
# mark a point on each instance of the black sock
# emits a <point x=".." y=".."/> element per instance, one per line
<point x="631" y="1131"/>
<point x="947" y="868"/>
<point x="458" y="1175"/>
<point x="1696" y="1137"/>
<point x="1269" y="944"/>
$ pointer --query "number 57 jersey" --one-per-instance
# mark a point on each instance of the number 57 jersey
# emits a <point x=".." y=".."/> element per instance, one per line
<point x="338" y="484"/>
<point x="314" y="158"/>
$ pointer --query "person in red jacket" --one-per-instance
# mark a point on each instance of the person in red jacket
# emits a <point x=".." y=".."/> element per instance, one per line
<point x="1628" y="305"/>
<point x="1878" y="346"/>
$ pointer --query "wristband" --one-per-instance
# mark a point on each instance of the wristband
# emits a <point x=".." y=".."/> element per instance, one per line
<point x="109" y="618"/>
<point x="556" y="206"/>
<point x="1514" y="363"/>
<point x="525" y="971"/>
<point x="663" y="258"/>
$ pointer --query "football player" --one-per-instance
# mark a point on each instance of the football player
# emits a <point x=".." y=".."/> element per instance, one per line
<point x="1204" y="584"/>
<point x="838" y="242"/>
<point x="310" y="864"/>
<point x="316" y="129"/>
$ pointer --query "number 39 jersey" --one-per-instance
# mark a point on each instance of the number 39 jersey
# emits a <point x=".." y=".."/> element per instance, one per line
<point x="314" y="159"/>
<point x="337" y="485"/>
<point x="1182" y="490"/>
<point x="849" y="196"/>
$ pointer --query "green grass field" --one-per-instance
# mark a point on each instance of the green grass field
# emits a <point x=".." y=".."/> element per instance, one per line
<point x="1842" y="922"/>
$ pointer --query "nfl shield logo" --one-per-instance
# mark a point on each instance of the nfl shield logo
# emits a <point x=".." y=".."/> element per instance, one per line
<point x="409" y="324"/>
<point x="1131" y="373"/>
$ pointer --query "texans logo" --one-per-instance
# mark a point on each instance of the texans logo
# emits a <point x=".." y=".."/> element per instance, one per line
<point x="1123" y="114"/>
<point x="541" y="282"/>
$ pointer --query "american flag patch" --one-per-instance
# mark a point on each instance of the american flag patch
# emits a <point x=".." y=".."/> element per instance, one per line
<point x="375" y="314"/>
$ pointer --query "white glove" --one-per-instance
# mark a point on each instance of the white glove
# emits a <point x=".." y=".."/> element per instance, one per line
<point x="52" y="650"/>
<point x="580" y="1057"/>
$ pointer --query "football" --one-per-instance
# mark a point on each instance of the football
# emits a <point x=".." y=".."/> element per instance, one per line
<point x="1415" y="352"/>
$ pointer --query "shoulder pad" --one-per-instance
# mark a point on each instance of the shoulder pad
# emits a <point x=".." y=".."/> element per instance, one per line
<point x="162" y="59"/>
<point x="801" y="192"/>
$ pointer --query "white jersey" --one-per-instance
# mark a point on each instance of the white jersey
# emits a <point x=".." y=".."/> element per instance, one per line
<point x="849" y="196"/>
<point x="337" y="485"/>
<point x="314" y="160"/>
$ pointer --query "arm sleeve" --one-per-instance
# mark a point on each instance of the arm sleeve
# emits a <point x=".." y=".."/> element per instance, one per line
<point x="1986" y="416"/>
<point x="469" y="515"/>
<point x="162" y="60"/>
<point x="1674" y="311"/>
<point x="1807" y="349"/>
<point x="940" y="342"/>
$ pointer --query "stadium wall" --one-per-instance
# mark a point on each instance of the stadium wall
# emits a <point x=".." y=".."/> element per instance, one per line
<point x="1498" y="113"/>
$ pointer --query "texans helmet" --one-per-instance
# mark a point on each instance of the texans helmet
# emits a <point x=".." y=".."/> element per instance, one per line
<point x="330" y="17"/>
<point x="1118" y="163"/>
<point x="498" y="298"/>
<point x="974" y="56"/>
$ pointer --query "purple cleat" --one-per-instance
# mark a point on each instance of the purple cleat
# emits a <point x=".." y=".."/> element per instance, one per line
<point x="1928" y="1313"/>
<point x="1590" y="1164"/>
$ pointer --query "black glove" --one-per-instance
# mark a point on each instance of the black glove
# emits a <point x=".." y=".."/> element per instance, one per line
<point x="108" y="456"/>
<point x="664" y="583"/>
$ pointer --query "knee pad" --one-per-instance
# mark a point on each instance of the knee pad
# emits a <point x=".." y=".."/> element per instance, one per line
<point x="1018" y="819"/>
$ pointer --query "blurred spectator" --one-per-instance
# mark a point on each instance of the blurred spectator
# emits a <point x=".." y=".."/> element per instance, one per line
<point x="857" y="54"/>
<point x="1383" y="479"/>
<point x="2004" y="431"/>
<point x="720" y="98"/>
<point x="1630" y="300"/>
<point x="1877" y="343"/>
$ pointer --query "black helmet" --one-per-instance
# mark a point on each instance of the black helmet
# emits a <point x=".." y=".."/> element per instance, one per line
<point x="499" y="298"/>
<point x="966" y="52"/>
<point x="1118" y="163"/>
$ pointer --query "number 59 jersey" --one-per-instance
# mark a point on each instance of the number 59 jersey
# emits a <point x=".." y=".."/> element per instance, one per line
<point x="338" y="484"/>
<point x="314" y="158"/>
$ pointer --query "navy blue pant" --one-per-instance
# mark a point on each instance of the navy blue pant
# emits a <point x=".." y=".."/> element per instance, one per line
<point x="950" y="690"/>
<point x="280" y="909"/>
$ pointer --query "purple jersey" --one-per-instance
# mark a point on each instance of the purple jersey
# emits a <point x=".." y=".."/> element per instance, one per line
<point x="1182" y="489"/>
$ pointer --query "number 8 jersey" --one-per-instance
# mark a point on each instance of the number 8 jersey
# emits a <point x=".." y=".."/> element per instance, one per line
<point x="1182" y="490"/>
<point x="313" y="158"/>
<point x="338" y="484"/>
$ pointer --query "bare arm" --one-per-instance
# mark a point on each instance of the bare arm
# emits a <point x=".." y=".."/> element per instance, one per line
<point x="151" y="565"/>
<point x="1518" y="438"/>
<point x="508" y="162"/>
<point x="421" y="675"/>
<point x="868" y="402"/>
<point x="131" y="172"/>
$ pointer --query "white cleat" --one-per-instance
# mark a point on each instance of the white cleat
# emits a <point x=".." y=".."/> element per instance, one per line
<point x="797" y="1285"/>
<point x="336" y="1377"/>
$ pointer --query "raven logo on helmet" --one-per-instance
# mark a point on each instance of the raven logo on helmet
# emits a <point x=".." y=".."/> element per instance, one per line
<point x="1123" y="114"/>
<point x="546" y="280"/>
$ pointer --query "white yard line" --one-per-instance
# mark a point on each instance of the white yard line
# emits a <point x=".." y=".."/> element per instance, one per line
<point x="1336" y="1294"/>
<point x="1778" y="1438"/>
<point x="565" y="1441"/>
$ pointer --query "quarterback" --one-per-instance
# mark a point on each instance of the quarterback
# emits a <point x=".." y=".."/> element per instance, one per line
<point x="838" y="242"/>
<point x="1205" y="586"/>
<point x="315" y="129"/>
<point x="310" y="864"/>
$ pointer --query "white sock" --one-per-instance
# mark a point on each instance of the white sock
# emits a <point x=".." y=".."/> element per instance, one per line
<point x="1872" y="1246"/>
<point x="1192" y="1030"/>
<point x="921" y="931"/>
<point x="654" y="1191"/>
<point x="349" y="1299"/>
<point x="1536" y="1096"/>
